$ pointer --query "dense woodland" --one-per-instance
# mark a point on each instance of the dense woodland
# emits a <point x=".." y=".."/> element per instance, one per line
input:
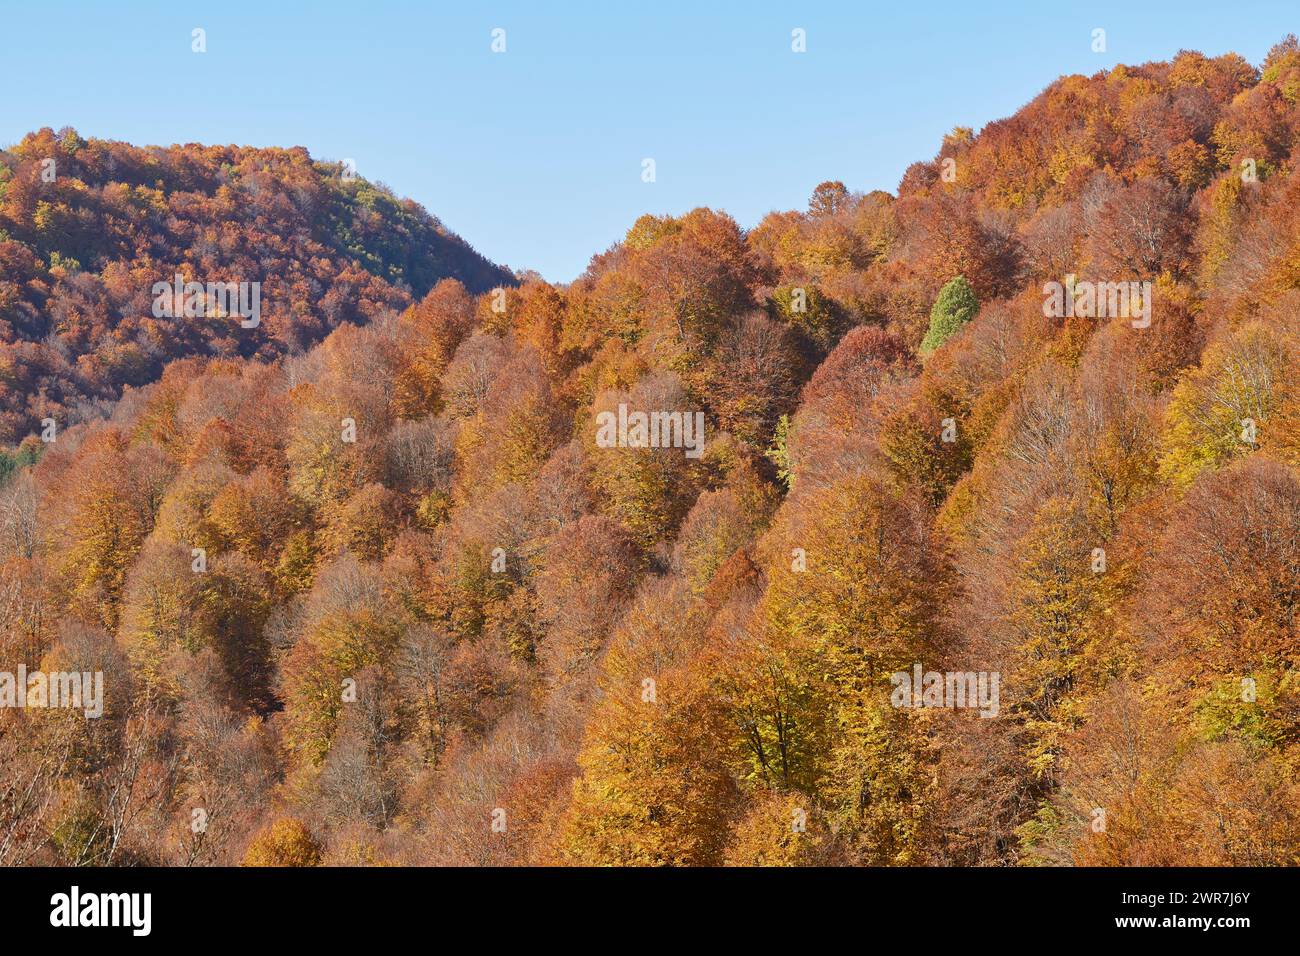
<point x="87" y="227"/>
<point x="569" y="654"/>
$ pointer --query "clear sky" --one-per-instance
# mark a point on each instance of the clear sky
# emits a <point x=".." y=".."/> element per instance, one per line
<point x="535" y="155"/>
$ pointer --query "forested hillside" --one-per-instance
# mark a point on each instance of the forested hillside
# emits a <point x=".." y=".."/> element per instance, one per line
<point x="393" y="599"/>
<point x="88" y="226"/>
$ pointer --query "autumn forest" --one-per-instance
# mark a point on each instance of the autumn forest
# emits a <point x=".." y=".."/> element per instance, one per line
<point x="958" y="526"/>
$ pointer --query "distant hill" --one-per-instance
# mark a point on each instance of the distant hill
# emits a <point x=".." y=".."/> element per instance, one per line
<point x="87" y="227"/>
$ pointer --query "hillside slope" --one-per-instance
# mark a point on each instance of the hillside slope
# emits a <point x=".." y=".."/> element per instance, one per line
<point x="87" y="227"/>
<point x="420" y="595"/>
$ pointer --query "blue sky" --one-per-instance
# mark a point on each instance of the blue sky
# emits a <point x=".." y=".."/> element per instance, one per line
<point x="534" y="155"/>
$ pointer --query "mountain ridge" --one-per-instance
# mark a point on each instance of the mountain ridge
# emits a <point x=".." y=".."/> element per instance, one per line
<point x="88" y="226"/>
